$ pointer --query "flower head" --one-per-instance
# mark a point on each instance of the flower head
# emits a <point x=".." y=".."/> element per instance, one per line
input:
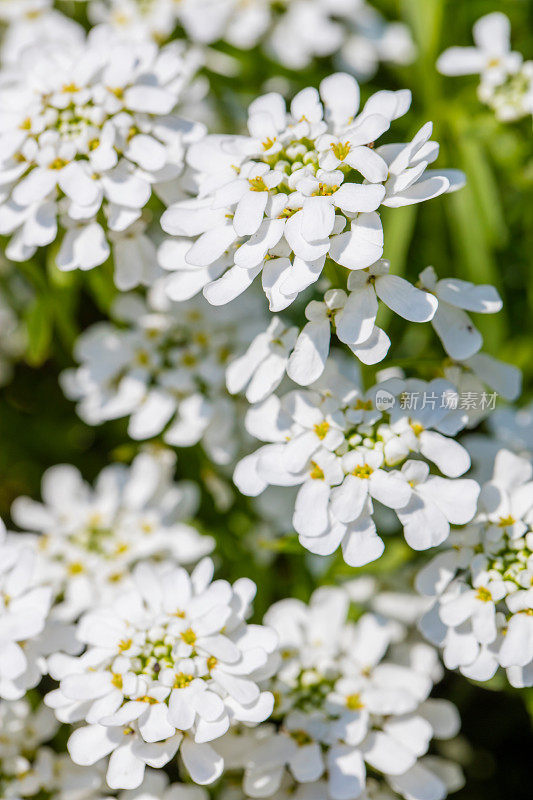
<point x="85" y="136"/>
<point x="170" y="664"/>
<point x="347" y="700"/>
<point x="304" y="185"/>
<point x="89" y="539"/>
<point x="344" y="450"/>
<point x="483" y="610"/>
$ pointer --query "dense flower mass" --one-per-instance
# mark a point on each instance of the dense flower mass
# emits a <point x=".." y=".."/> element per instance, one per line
<point x="170" y="664"/>
<point x="29" y="767"/>
<point x="84" y="139"/>
<point x="89" y="539"/>
<point x="344" y="448"/>
<point x="292" y="32"/>
<point x="483" y="610"/>
<point x="164" y="370"/>
<point x="225" y="364"/>
<point x="349" y="697"/>
<point x="303" y="186"/>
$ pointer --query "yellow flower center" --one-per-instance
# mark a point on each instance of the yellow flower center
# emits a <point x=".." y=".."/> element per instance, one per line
<point x="58" y="163"/>
<point x="189" y="636"/>
<point x="257" y="185"/>
<point x="362" y="471"/>
<point x="301" y="737"/>
<point x="182" y="680"/>
<point x="363" y="405"/>
<point x="116" y="680"/>
<point x="353" y="702"/>
<point x="483" y="594"/>
<point x="316" y="473"/>
<point x="341" y="150"/>
<point x="321" y="429"/>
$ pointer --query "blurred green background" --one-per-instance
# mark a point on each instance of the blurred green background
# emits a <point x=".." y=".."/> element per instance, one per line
<point x="483" y="233"/>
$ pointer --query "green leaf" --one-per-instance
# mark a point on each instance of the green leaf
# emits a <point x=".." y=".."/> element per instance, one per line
<point x="39" y="327"/>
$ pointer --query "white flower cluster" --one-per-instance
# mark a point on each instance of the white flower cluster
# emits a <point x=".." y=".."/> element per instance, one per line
<point x="87" y="134"/>
<point x="24" y="607"/>
<point x="349" y="697"/>
<point x="162" y="683"/>
<point x="506" y="83"/>
<point x="30" y="770"/>
<point x="482" y="582"/>
<point x="351" y="315"/>
<point x="302" y="187"/>
<point x="344" y="447"/>
<point x="34" y="22"/>
<point x="292" y="32"/>
<point x="88" y="540"/>
<point x="163" y="365"/>
<point x="170" y="665"/>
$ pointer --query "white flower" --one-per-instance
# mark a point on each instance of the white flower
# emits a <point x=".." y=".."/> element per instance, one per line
<point x="164" y="369"/>
<point x="24" y="607"/>
<point x="135" y="21"/>
<point x="346" y="698"/>
<point x="29" y="768"/>
<point x="261" y="369"/>
<point x="483" y="610"/>
<point x="156" y="786"/>
<point x="483" y="377"/>
<point x="351" y="315"/>
<point x="170" y="664"/>
<point x="89" y="539"/>
<point x="279" y="201"/>
<point x="491" y="58"/>
<point x="460" y="338"/>
<point x="35" y="23"/>
<point x="506" y="81"/>
<point x="343" y="449"/>
<point x="88" y="132"/>
<point x="354" y="315"/>
<point x="297" y="32"/>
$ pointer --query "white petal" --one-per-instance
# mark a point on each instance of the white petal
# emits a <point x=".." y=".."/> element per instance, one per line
<point x="406" y="300"/>
<point x="355" y="322"/>
<point x="362" y="246"/>
<point x="354" y="197"/>
<point x="125" y="770"/>
<point x="249" y="213"/>
<point x="308" y="358"/>
<point x="460" y="338"/>
<point x="318" y="218"/>
<point x="201" y="761"/>
<point x="450" y="457"/>
<point x="386" y="754"/>
<point x="311" y="508"/>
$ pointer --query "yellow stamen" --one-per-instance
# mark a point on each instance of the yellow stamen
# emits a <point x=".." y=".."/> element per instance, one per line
<point x="363" y="471"/>
<point x="316" y="473"/>
<point x="321" y="429"/>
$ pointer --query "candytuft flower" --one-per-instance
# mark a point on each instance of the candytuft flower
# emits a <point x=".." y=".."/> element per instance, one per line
<point x="483" y="610"/>
<point x="170" y="665"/>
<point x="89" y="539"/>
<point x="87" y="134"/>
<point x="305" y="185"/>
